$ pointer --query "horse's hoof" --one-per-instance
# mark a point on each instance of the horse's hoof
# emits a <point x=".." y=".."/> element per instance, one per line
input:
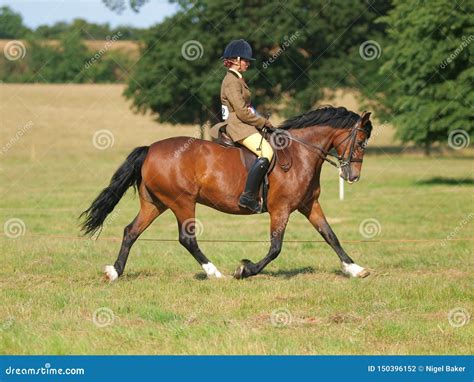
<point x="110" y="274"/>
<point x="239" y="272"/>
<point x="363" y="273"/>
<point x="354" y="270"/>
<point x="242" y="272"/>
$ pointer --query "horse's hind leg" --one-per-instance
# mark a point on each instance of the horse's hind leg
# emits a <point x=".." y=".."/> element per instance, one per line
<point x="185" y="215"/>
<point x="149" y="211"/>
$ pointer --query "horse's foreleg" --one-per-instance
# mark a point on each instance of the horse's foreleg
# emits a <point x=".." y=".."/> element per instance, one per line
<point x="185" y="215"/>
<point x="277" y="229"/>
<point x="315" y="215"/>
<point x="148" y="213"/>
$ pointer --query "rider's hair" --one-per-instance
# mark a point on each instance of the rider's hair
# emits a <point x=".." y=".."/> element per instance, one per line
<point x="228" y="62"/>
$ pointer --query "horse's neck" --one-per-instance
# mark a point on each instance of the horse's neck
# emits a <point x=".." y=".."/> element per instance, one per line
<point x="321" y="136"/>
<point x="311" y="159"/>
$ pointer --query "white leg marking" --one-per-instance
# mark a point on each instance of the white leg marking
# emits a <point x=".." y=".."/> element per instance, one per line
<point x="110" y="273"/>
<point x="211" y="270"/>
<point x="354" y="270"/>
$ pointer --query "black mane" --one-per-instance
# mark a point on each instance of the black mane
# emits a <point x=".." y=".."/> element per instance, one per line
<point x="338" y="117"/>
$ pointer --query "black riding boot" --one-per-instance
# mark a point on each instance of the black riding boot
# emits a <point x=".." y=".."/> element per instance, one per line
<point x="248" y="198"/>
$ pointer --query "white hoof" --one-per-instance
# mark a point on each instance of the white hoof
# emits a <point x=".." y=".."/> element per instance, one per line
<point x="211" y="270"/>
<point x="354" y="270"/>
<point x="110" y="273"/>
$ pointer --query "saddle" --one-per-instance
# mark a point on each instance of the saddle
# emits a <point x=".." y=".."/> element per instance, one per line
<point x="219" y="135"/>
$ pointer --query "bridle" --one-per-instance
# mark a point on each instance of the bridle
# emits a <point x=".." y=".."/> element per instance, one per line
<point x="349" y="140"/>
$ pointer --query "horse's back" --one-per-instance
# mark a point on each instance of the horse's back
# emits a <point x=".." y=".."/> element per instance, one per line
<point x="203" y="170"/>
<point x="190" y="155"/>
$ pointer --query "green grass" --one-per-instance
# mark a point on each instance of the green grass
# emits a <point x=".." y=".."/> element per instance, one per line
<point x="50" y="287"/>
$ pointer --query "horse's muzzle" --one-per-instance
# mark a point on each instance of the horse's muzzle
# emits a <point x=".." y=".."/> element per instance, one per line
<point x="353" y="179"/>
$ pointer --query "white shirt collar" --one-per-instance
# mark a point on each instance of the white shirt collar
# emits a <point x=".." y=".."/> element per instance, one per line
<point x="236" y="72"/>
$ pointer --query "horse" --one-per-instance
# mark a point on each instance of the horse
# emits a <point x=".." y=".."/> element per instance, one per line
<point x="176" y="173"/>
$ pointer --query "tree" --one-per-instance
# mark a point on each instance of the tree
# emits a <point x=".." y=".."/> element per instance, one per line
<point x="301" y="47"/>
<point x="86" y="30"/>
<point x="120" y="5"/>
<point x="66" y="62"/>
<point x="11" y="24"/>
<point x="429" y="88"/>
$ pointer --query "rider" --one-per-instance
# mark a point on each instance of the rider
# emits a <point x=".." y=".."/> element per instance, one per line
<point x="243" y="123"/>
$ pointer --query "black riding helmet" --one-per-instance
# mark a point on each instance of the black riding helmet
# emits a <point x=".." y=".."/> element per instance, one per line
<point x="238" y="48"/>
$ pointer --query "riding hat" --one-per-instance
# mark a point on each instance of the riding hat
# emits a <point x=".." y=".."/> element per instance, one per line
<point x="238" y="48"/>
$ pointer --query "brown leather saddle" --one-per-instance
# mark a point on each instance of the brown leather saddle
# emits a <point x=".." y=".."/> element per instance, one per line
<point x="220" y="136"/>
<point x="248" y="157"/>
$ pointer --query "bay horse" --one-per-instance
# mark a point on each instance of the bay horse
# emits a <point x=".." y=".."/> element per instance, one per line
<point x="176" y="173"/>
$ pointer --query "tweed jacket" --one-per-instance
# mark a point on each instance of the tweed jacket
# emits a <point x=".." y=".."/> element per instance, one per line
<point x="235" y="96"/>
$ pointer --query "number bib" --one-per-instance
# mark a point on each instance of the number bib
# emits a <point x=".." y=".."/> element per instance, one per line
<point x="225" y="112"/>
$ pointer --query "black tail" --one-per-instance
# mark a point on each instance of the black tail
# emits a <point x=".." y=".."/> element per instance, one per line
<point x="127" y="175"/>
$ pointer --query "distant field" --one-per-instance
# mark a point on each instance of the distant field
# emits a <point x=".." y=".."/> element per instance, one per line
<point x="131" y="47"/>
<point x="51" y="282"/>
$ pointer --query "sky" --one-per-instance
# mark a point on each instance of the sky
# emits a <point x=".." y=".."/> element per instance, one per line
<point x="39" y="12"/>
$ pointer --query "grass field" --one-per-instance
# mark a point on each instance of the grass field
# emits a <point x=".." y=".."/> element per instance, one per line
<point x="51" y="287"/>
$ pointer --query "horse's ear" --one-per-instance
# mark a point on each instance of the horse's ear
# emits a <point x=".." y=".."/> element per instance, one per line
<point x="364" y="118"/>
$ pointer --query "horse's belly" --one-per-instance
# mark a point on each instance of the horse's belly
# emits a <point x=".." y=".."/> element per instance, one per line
<point x="222" y="180"/>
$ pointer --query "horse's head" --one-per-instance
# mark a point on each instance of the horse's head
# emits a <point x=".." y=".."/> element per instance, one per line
<point x="350" y="144"/>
